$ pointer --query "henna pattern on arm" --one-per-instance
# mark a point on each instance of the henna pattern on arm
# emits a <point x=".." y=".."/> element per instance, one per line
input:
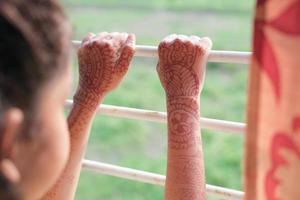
<point x="181" y="71"/>
<point x="186" y="179"/>
<point x="103" y="62"/>
<point x="185" y="169"/>
<point x="183" y="123"/>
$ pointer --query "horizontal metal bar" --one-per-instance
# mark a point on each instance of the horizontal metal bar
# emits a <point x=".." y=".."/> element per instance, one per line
<point x="155" y="179"/>
<point x="155" y="116"/>
<point x="214" y="56"/>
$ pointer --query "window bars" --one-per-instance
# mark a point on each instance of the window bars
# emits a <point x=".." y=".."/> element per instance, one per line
<point x="161" y="117"/>
<point x="238" y="57"/>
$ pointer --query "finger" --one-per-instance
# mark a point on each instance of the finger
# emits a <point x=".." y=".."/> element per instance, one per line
<point x="102" y="34"/>
<point x="100" y="37"/>
<point x="121" y="40"/>
<point x="119" y="36"/>
<point x="177" y="44"/>
<point x="169" y="38"/>
<point x="195" y="36"/>
<point x="103" y="39"/>
<point x="84" y="43"/>
<point x="131" y="41"/>
<point x="87" y="38"/>
<point x="117" y="41"/>
<point x="163" y="50"/>
<point x="206" y="43"/>
<point x="188" y="43"/>
<point x="195" y="39"/>
<point x="109" y="36"/>
<point x="183" y="38"/>
<point x="128" y="48"/>
<point x="114" y="33"/>
<point x="202" y="49"/>
<point x="126" y="54"/>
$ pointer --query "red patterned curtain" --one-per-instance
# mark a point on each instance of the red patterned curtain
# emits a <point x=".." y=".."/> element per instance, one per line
<point x="272" y="167"/>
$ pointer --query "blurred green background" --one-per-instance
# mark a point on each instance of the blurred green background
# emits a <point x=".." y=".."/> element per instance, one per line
<point x="142" y="145"/>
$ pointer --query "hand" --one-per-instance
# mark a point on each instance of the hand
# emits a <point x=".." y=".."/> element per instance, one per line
<point x="181" y="65"/>
<point x="103" y="62"/>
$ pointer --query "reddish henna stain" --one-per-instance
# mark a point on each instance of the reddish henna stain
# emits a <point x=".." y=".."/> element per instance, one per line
<point x="102" y="67"/>
<point x="175" y="68"/>
<point x="180" y="70"/>
<point x="184" y="123"/>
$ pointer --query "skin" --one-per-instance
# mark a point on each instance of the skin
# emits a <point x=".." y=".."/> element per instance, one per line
<point x="181" y="70"/>
<point x="103" y="62"/>
<point x="47" y="166"/>
<point x="49" y="141"/>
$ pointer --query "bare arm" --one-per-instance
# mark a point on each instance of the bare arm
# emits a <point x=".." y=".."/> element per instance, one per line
<point x="181" y="70"/>
<point x="103" y="62"/>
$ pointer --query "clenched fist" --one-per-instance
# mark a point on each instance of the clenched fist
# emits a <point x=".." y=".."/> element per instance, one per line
<point x="181" y="66"/>
<point x="103" y="62"/>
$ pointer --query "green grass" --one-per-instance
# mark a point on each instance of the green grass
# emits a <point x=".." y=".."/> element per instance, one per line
<point x="142" y="145"/>
<point x="228" y="5"/>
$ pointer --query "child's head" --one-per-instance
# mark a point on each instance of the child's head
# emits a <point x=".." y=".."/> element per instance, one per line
<point x="35" y="42"/>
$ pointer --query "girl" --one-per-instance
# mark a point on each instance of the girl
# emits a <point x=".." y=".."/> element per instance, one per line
<point x="41" y="152"/>
<point x="37" y="143"/>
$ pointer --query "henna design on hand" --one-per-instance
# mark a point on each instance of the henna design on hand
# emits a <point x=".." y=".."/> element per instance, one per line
<point x="181" y="66"/>
<point x="103" y="62"/>
<point x="181" y="70"/>
<point x="185" y="169"/>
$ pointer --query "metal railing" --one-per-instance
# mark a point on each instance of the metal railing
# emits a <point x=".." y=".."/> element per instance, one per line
<point x="161" y="117"/>
<point x="238" y="57"/>
<point x="154" y="179"/>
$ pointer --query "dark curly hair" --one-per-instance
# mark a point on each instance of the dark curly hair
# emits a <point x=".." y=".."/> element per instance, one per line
<point x="35" y="42"/>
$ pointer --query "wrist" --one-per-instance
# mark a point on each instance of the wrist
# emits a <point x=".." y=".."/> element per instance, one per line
<point x="186" y="104"/>
<point x="87" y="99"/>
<point x="193" y="98"/>
<point x="183" y="125"/>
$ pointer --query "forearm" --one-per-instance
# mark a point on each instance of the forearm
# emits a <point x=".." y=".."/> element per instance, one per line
<point x="185" y="170"/>
<point x="103" y="62"/>
<point x="79" y="122"/>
